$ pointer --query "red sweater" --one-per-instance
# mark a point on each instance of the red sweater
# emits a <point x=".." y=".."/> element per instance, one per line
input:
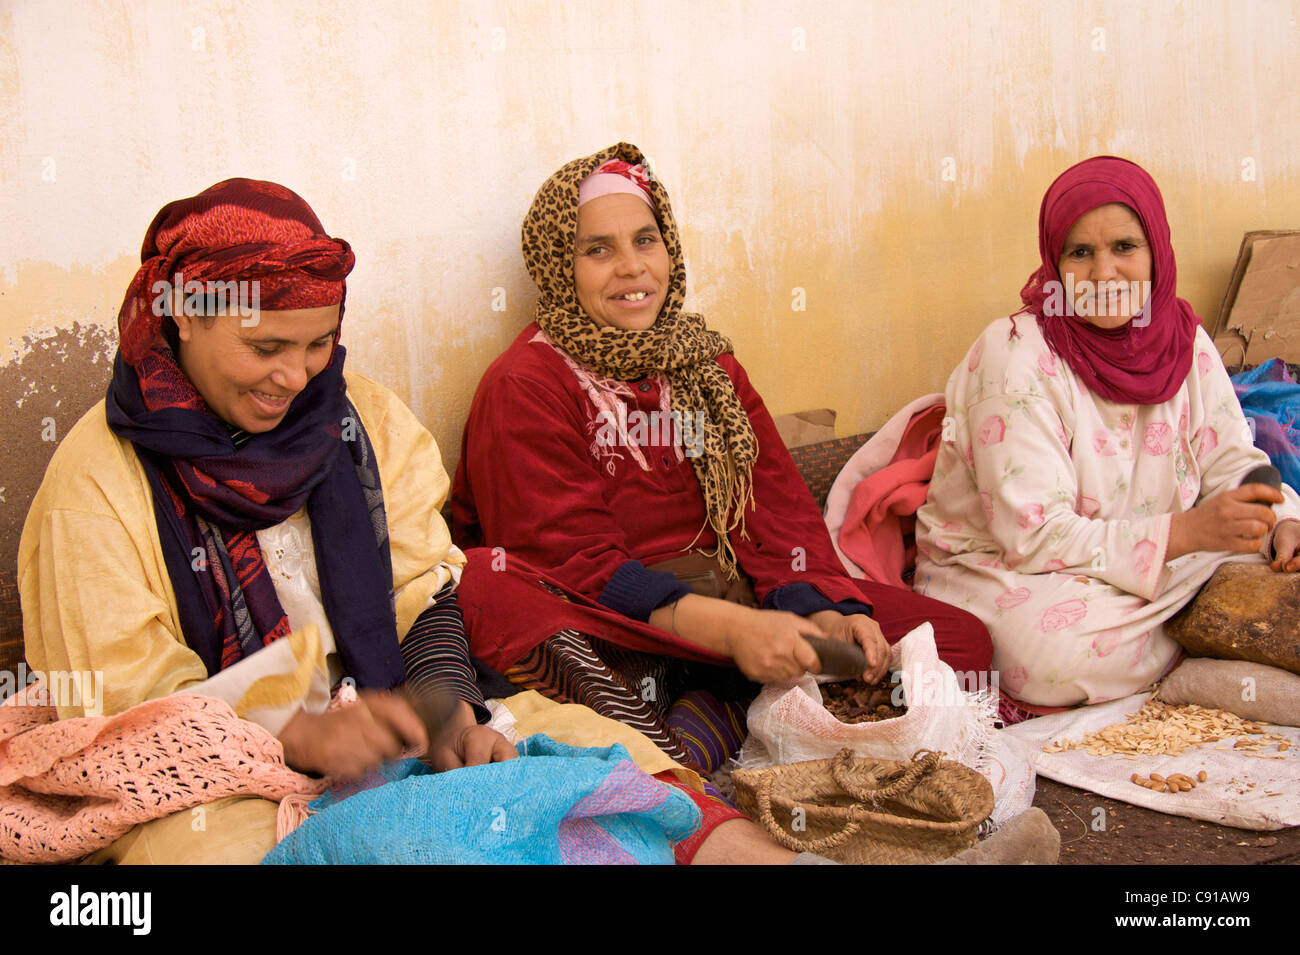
<point x="531" y="480"/>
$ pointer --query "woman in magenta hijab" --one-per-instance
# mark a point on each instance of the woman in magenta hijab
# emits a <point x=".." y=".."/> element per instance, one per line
<point x="1089" y="481"/>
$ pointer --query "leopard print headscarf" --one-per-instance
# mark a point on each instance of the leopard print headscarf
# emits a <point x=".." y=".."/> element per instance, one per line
<point x="678" y="344"/>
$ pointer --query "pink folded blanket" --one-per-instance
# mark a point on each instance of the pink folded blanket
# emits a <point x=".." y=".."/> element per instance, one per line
<point x="71" y="787"/>
<point x="879" y="520"/>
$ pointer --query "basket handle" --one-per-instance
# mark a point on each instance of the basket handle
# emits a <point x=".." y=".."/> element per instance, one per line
<point x="903" y="782"/>
<point x="791" y="842"/>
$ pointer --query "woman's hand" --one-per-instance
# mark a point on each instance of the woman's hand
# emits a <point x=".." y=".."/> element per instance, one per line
<point x="348" y="742"/>
<point x="464" y="742"/>
<point x="1286" y="546"/>
<point x="767" y="646"/>
<point x="771" y="648"/>
<point x="1236" y="520"/>
<point x="860" y="629"/>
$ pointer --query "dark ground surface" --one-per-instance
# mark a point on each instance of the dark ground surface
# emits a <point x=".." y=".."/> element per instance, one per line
<point x="1137" y="836"/>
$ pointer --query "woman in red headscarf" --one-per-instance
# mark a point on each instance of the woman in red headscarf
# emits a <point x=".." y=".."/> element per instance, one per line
<point x="242" y="520"/>
<point x="1088" y="483"/>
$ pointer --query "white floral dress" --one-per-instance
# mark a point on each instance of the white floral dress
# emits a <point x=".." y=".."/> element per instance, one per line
<point x="1048" y="515"/>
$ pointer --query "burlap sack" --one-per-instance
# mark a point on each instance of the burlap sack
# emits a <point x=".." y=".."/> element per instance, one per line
<point x="1250" y="690"/>
<point x="1244" y="612"/>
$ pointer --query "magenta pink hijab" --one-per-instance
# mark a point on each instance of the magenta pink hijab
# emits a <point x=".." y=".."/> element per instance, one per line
<point x="1132" y="364"/>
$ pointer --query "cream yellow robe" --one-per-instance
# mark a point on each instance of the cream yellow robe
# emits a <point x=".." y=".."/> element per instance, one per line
<point x="97" y="599"/>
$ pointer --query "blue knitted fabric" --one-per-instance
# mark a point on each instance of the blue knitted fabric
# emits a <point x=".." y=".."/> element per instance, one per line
<point x="1271" y="399"/>
<point x="556" y="804"/>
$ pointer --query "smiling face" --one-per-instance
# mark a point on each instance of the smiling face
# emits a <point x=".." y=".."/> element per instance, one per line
<point x="249" y="369"/>
<point x="1108" y="260"/>
<point x="620" y="262"/>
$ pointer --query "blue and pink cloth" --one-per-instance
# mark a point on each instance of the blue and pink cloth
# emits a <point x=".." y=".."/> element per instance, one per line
<point x="558" y="805"/>
<point x="1270" y="397"/>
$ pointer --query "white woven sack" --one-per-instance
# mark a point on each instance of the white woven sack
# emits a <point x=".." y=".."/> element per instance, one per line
<point x="1010" y="773"/>
<point x="789" y="724"/>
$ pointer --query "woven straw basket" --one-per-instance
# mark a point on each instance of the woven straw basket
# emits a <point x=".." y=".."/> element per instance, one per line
<point x="866" y="811"/>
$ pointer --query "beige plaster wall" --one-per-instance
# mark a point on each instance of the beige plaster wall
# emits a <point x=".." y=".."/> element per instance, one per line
<point x="886" y="159"/>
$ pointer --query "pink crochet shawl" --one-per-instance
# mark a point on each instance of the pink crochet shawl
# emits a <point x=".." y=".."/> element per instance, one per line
<point x="71" y="787"/>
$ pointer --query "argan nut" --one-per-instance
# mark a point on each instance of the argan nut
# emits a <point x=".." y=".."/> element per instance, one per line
<point x="1201" y="776"/>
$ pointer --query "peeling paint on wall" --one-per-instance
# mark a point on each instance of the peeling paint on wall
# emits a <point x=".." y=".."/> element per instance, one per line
<point x="59" y="376"/>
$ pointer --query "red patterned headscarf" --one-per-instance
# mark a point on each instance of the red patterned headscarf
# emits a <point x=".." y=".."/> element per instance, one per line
<point x="213" y="486"/>
<point x="240" y="230"/>
<point x="1140" y="362"/>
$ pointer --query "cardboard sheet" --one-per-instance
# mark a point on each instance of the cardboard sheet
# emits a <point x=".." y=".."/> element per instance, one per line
<point x="805" y="427"/>
<point x="1260" y="315"/>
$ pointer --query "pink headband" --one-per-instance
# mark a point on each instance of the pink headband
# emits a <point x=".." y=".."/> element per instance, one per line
<point x="614" y="177"/>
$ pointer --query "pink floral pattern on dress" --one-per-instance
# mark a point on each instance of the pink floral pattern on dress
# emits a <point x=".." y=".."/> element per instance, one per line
<point x="1203" y="364"/>
<point x="1207" y="439"/>
<point x="1013" y="598"/>
<point x="1086" y="506"/>
<point x="1055" y="564"/>
<point x="1031" y="515"/>
<point x="1158" y="439"/>
<point x="1103" y="443"/>
<point x="976" y="354"/>
<point x="1143" y="555"/>
<point x="1105" y="642"/>
<point x="1047" y="363"/>
<point x="1140" y="650"/>
<point x="992" y="431"/>
<point x="1014" y="679"/>
<point x="1063" y="615"/>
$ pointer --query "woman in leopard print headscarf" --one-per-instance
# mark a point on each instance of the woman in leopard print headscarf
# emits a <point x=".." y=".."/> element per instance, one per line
<point x="677" y="344"/>
<point x="618" y="433"/>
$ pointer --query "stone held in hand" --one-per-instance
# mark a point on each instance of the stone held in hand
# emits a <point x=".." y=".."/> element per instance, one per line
<point x="1264" y="474"/>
